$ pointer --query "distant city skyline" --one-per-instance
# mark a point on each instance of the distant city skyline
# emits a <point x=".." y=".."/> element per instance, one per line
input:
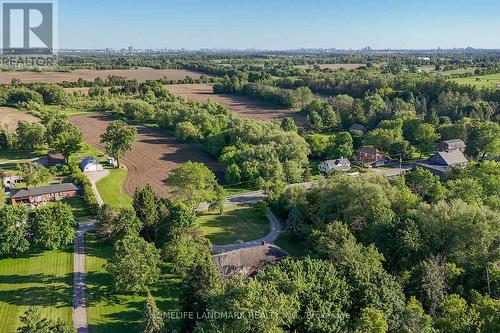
<point x="279" y="24"/>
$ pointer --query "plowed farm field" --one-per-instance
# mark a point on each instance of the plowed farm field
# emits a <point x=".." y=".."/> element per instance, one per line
<point x="245" y="107"/>
<point x="9" y="117"/>
<point x="140" y="74"/>
<point x="153" y="157"/>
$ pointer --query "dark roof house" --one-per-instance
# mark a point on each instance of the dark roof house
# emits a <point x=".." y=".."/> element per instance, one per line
<point x="43" y="194"/>
<point x="247" y="261"/>
<point x="442" y="162"/>
<point x="358" y="127"/>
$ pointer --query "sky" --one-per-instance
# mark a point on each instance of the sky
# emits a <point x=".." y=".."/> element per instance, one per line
<point x="279" y="24"/>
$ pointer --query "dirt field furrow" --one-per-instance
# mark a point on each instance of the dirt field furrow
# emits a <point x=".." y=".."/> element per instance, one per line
<point x="153" y="157"/>
<point x="243" y="106"/>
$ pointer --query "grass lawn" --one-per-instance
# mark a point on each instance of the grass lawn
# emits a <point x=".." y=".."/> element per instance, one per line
<point x="295" y="249"/>
<point x="17" y="156"/>
<point x="80" y="209"/>
<point x="238" y="223"/>
<point x="69" y="111"/>
<point x="111" y="189"/>
<point x="480" y="81"/>
<point x="43" y="280"/>
<point x="110" y="312"/>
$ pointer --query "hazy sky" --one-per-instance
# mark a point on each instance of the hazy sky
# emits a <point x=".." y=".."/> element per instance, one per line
<point x="279" y="24"/>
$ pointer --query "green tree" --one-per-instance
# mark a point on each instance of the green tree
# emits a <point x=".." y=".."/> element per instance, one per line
<point x="483" y="139"/>
<point x="33" y="322"/>
<point x="54" y="226"/>
<point x="138" y="110"/>
<point x="288" y="124"/>
<point x="67" y="142"/>
<point x="152" y="321"/>
<point x="118" y="139"/>
<point x="372" y="320"/>
<point x="425" y="136"/>
<point x="455" y="316"/>
<point x="301" y="96"/>
<point x="147" y="209"/>
<point x="194" y="183"/>
<point x="33" y="174"/>
<point x="425" y="184"/>
<point x="30" y="135"/>
<point x="135" y="264"/>
<point x="414" y="319"/>
<point x="341" y="146"/>
<point x="186" y="131"/>
<point x="14" y="230"/>
<point x="124" y="224"/>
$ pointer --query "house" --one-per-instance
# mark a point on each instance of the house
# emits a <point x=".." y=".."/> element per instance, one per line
<point x="443" y="162"/>
<point x="450" y="145"/>
<point x="370" y="157"/>
<point x="10" y="180"/>
<point x="43" y="194"/>
<point x="358" y="127"/>
<point x="249" y="261"/>
<point x="55" y="159"/>
<point x="89" y="163"/>
<point x="329" y="166"/>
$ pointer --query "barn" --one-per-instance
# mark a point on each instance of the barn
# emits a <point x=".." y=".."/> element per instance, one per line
<point x="89" y="163"/>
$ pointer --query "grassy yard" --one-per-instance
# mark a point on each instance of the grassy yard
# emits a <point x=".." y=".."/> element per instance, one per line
<point x="480" y="81"/>
<point x="238" y="223"/>
<point x="295" y="249"/>
<point x="111" y="189"/>
<point x="80" y="209"/>
<point x="43" y="280"/>
<point x="111" y="312"/>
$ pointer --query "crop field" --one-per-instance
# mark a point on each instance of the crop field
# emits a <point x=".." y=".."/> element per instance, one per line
<point x="9" y="117"/>
<point x="140" y="74"/>
<point x="481" y="81"/>
<point x="332" y="66"/>
<point x="153" y="157"/>
<point x="245" y="107"/>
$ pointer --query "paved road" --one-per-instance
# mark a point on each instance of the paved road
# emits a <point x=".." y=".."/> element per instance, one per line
<point x="94" y="177"/>
<point x="269" y="238"/>
<point x="79" y="306"/>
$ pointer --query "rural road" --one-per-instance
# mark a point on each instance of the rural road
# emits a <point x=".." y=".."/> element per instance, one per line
<point x="94" y="177"/>
<point x="79" y="306"/>
<point x="269" y="238"/>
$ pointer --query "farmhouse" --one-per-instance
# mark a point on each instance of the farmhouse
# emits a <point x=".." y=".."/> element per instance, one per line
<point x="89" y="163"/>
<point x="369" y="157"/>
<point x="43" y="194"/>
<point x="249" y="261"/>
<point x="10" y="180"/>
<point x="450" y="145"/>
<point x="329" y="166"/>
<point x="443" y="162"/>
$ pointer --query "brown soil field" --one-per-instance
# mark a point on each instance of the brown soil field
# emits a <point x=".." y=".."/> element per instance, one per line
<point x="10" y="116"/>
<point x="141" y="74"/>
<point x="243" y="106"/>
<point x="153" y="157"/>
<point x="332" y="66"/>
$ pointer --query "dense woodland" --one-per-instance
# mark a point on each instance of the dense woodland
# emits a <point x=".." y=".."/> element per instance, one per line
<point x="413" y="253"/>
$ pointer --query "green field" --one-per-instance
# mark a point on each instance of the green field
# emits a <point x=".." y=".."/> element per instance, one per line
<point x="111" y="189"/>
<point x="480" y="81"/>
<point x="238" y="223"/>
<point x="111" y="312"/>
<point x="43" y="280"/>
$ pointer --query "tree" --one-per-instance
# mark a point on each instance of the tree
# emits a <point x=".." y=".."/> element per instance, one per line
<point x="13" y="230"/>
<point x="124" y="224"/>
<point x="67" y="142"/>
<point x="288" y="124"/>
<point x="33" y="174"/>
<point x="30" y="135"/>
<point x="194" y="183"/>
<point x="302" y="96"/>
<point x="425" y="184"/>
<point x="33" y="322"/>
<point x="483" y="139"/>
<point x="372" y="320"/>
<point x="105" y="218"/>
<point x="118" y="139"/>
<point x="146" y="206"/>
<point x="2" y="196"/>
<point x="135" y="264"/>
<point x="53" y="226"/>
<point x="294" y="221"/>
<point x="138" y="110"/>
<point x="152" y="321"/>
<point x="341" y="146"/>
<point x="455" y="316"/>
<point x="218" y="200"/>
<point x="425" y="136"/>
<point x="414" y="319"/>
<point x="186" y="131"/>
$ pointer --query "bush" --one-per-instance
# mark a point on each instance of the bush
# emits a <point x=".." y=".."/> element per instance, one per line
<point x="88" y="194"/>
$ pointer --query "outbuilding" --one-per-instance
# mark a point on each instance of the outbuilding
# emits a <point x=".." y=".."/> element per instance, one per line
<point x="89" y="163"/>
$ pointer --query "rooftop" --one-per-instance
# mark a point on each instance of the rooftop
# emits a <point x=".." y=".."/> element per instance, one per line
<point x="66" y="187"/>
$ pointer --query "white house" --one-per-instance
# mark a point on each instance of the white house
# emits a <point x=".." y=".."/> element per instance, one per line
<point x="89" y="163"/>
<point x="341" y="164"/>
